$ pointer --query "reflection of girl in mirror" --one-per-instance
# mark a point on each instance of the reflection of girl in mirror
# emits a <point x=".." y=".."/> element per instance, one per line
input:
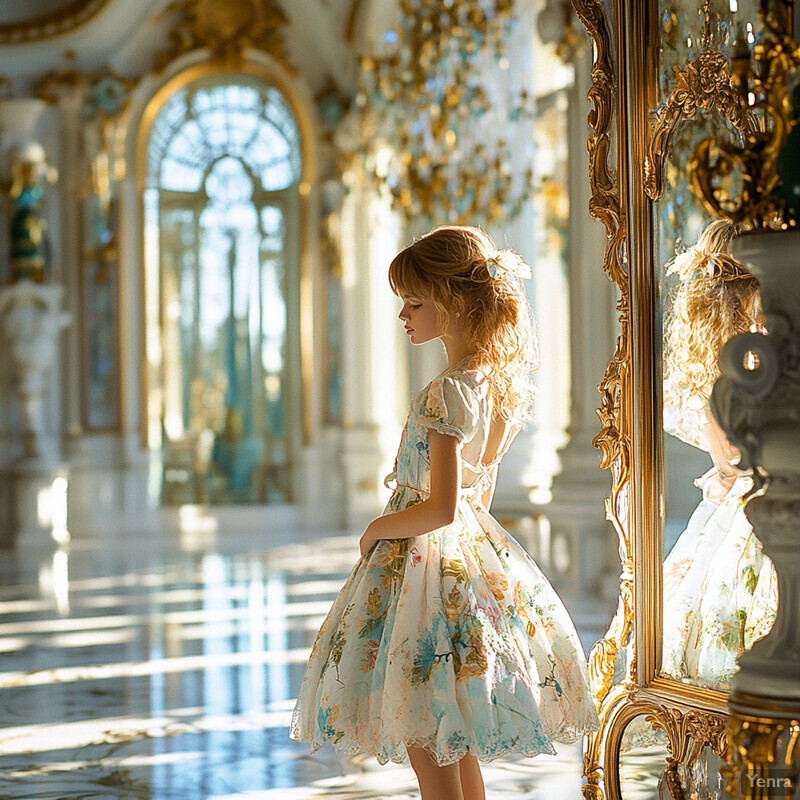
<point x="720" y="590"/>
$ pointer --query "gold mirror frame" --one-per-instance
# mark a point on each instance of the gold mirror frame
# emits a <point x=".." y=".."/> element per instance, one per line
<point x="625" y="36"/>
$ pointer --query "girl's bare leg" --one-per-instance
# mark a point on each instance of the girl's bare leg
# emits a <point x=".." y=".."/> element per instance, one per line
<point x="435" y="782"/>
<point x="471" y="779"/>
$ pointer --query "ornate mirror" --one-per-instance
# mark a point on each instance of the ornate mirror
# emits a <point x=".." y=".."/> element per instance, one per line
<point x="677" y="89"/>
<point x="719" y="592"/>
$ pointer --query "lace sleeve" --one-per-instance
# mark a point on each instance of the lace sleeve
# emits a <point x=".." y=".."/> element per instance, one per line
<point x="684" y="415"/>
<point x="451" y="407"/>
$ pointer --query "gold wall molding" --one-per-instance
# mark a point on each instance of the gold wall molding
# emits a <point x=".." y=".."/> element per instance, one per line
<point x="106" y="92"/>
<point x="353" y="16"/>
<point x="227" y="28"/>
<point x="605" y="743"/>
<point x="44" y="26"/>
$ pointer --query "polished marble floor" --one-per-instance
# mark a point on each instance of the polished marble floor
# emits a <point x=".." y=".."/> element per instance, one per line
<point x="165" y="668"/>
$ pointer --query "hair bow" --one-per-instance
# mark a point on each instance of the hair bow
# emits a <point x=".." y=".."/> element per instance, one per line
<point x="686" y="263"/>
<point x="509" y="262"/>
<point x="694" y="260"/>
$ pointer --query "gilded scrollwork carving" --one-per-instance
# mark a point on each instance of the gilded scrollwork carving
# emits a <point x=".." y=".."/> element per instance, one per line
<point x="227" y="28"/>
<point x="688" y="733"/>
<point x="704" y="84"/>
<point x="604" y="203"/>
<point x="106" y="93"/>
<point x="761" y="82"/>
<point x="765" y="753"/>
<point x="708" y="82"/>
<point x="691" y="731"/>
<point x="613" y="440"/>
<point x="605" y="206"/>
<point x="619" y="697"/>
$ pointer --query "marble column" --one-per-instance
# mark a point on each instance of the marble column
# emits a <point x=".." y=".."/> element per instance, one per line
<point x="370" y="356"/>
<point x="581" y="552"/>
<point x="758" y="409"/>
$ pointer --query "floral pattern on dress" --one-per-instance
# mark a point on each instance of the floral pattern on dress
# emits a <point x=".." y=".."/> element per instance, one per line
<point x="453" y="641"/>
<point x="720" y="591"/>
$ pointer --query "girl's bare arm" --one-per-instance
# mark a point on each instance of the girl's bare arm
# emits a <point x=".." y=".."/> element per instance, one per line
<point x="437" y="510"/>
<point x="722" y="454"/>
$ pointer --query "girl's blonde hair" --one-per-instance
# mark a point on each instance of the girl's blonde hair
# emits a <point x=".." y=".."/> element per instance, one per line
<point x="449" y="265"/>
<point x="715" y="299"/>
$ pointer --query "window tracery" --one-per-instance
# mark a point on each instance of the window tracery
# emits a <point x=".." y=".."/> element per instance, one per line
<point x="224" y="166"/>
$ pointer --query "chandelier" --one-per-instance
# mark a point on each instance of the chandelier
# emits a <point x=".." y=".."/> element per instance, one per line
<point x="442" y="101"/>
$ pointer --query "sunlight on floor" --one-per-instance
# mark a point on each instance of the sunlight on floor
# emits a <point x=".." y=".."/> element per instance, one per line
<point x="140" y="670"/>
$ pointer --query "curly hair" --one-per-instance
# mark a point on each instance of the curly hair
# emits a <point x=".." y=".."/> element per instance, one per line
<point x="449" y="265"/>
<point x="715" y="299"/>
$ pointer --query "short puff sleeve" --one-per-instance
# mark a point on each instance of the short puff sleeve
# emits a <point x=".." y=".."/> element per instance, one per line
<point x="684" y="417"/>
<point x="450" y="407"/>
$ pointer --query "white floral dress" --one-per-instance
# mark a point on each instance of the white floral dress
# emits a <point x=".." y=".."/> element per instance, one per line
<point x="720" y="590"/>
<point x="452" y="641"/>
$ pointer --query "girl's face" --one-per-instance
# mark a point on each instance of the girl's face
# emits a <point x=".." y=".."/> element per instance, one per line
<point x="420" y="318"/>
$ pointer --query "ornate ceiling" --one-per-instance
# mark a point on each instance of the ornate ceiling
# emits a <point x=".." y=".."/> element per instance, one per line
<point x="23" y="21"/>
<point x="323" y="37"/>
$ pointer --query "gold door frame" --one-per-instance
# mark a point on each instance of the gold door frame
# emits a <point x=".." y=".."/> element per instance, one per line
<point x="624" y="88"/>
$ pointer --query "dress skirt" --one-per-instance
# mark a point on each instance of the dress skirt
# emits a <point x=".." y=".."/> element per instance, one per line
<point x="720" y="592"/>
<point x="452" y="641"/>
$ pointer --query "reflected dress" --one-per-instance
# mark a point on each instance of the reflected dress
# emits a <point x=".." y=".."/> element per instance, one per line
<point x="720" y="590"/>
<point x="452" y="641"/>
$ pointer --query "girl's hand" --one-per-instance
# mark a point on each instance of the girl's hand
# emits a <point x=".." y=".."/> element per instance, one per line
<point x="716" y="488"/>
<point x="723" y="453"/>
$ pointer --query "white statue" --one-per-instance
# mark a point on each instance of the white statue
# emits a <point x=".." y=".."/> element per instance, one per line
<point x="31" y="320"/>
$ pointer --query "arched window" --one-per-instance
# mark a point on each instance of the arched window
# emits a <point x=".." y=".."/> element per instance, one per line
<point x="222" y="261"/>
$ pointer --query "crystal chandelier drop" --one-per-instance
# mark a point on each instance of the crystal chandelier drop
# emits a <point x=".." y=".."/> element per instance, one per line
<point x="442" y="101"/>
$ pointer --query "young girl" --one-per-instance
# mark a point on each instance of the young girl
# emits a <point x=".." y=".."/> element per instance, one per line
<point x="720" y="590"/>
<point x="447" y="642"/>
